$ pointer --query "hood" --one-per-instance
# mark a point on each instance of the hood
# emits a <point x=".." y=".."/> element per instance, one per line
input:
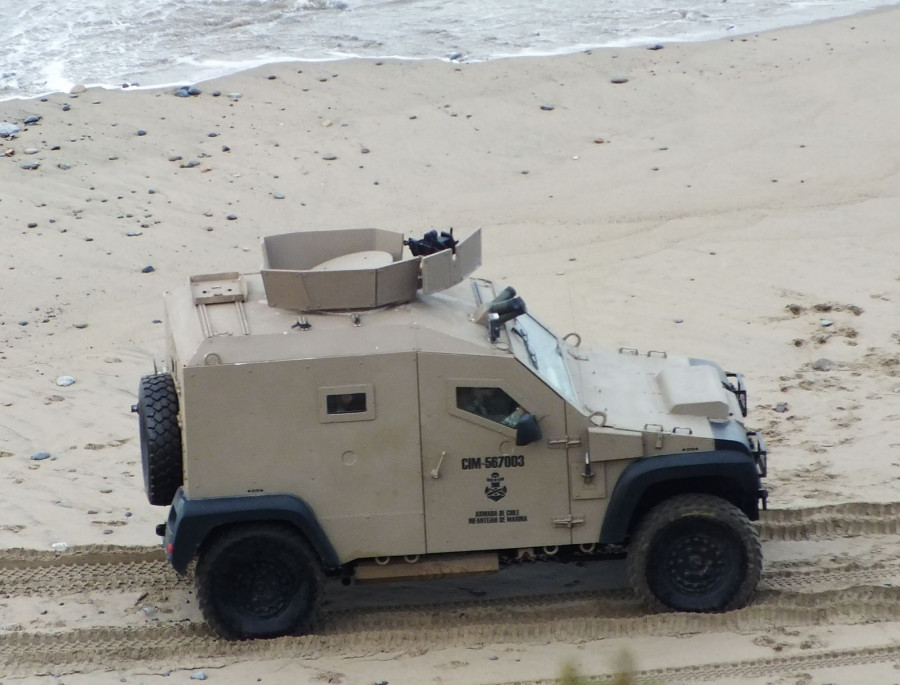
<point x="635" y="391"/>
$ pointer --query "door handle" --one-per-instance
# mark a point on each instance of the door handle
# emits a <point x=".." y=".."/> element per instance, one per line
<point x="436" y="471"/>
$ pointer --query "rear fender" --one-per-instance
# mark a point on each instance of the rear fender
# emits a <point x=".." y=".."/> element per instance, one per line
<point x="192" y="521"/>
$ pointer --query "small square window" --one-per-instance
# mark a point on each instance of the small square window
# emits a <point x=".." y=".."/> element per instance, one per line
<point x="346" y="403"/>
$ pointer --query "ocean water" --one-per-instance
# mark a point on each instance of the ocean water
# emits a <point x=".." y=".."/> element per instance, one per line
<point x="50" y="45"/>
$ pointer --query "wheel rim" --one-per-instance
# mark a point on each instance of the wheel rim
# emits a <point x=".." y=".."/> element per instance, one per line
<point x="262" y="588"/>
<point x="697" y="565"/>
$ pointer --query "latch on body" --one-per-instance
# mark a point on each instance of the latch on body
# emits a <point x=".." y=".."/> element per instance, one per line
<point x="568" y="521"/>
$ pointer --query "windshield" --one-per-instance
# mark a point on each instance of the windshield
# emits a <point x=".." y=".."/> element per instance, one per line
<point x="542" y="352"/>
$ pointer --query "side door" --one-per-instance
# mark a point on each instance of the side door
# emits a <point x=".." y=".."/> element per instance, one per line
<point x="481" y="490"/>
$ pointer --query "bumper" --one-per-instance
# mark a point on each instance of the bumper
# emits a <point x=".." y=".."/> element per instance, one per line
<point x="758" y="452"/>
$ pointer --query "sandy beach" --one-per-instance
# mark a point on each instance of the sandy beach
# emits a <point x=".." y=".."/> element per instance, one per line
<point x="735" y="200"/>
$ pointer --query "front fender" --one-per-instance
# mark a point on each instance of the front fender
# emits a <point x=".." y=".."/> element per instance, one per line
<point x="191" y="521"/>
<point x="727" y="473"/>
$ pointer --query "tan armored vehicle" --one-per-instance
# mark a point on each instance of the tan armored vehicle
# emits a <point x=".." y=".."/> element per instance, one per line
<point x="363" y="411"/>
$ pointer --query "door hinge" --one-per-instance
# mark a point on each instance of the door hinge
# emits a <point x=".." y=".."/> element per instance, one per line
<point x="568" y="521"/>
<point x="563" y="443"/>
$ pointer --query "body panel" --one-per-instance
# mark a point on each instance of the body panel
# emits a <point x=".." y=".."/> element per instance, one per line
<point x="489" y="493"/>
<point x="257" y="428"/>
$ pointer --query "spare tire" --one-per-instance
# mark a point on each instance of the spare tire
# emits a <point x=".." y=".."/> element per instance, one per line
<point x="157" y="410"/>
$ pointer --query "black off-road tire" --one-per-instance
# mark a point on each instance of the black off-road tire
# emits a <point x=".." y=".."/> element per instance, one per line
<point x="259" y="580"/>
<point x="695" y="553"/>
<point x="161" y="453"/>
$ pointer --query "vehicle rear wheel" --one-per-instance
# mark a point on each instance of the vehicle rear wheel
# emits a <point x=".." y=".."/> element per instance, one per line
<point x="161" y="455"/>
<point x="695" y="553"/>
<point x="259" y="580"/>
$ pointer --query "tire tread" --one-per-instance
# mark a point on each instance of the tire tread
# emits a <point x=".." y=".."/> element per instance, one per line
<point x="676" y="508"/>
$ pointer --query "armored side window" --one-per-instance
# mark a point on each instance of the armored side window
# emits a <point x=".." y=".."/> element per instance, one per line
<point x="346" y="403"/>
<point x="492" y="404"/>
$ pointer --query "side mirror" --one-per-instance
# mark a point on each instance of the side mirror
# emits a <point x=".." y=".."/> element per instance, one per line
<point x="527" y="430"/>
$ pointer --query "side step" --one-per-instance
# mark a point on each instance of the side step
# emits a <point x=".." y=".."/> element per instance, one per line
<point x="425" y="566"/>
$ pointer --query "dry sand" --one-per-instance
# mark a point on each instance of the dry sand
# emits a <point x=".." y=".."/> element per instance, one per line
<point x="727" y="201"/>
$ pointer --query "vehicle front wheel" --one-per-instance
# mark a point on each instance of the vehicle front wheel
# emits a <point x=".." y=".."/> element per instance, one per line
<point x="259" y="580"/>
<point x="695" y="553"/>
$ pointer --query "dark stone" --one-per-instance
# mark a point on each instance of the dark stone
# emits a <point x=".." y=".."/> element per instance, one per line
<point x="175" y="158"/>
<point x="365" y="151"/>
<point x="194" y="90"/>
<point x="272" y="77"/>
<point x="212" y="135"/>
<point x="191" y="164"/>
<point x="151" y="191"/>
<point x="225" y="148"/>
<point x="329" y="158"/>
<point x="183" y="92"/>
<point x="30" y="167"/>
<point x="33" y="119"/>
<point x="40" y="456"/>
<point x="141" y="132"/>
<point x="658" y="46"/>
<point x="216" y="93"/>
<point x="148" y="269"/>
<point x="32" y="224"/>
<point x="618" y="79"/>
<point x="231" y="217"/>
<point x="456" y="55"/>
<point x="547" y="108"/>
<point x="66" y="108"/>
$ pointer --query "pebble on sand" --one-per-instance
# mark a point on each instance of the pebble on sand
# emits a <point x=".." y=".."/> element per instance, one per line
<point x="187" y="91"/>
<point x="40" y="456"/>
<point x="148" y="269"/>
<point x="65" y="381"/>
<point x="7" y="129"/>
<point x="141" y="132"/>
<point x="618" y="79"/>
<point x="33" y="119"/>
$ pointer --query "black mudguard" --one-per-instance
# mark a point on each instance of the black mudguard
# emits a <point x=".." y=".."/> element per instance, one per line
<point x="728" y="473"/>
<point x="191" y="521"/>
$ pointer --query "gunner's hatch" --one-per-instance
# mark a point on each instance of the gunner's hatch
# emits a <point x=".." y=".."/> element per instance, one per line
<point x="361" y="268"/>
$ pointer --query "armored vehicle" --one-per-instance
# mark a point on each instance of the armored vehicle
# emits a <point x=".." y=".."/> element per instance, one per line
<point x="363" y="409"/>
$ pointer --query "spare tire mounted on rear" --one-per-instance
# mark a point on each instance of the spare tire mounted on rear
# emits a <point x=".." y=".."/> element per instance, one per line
<point x="157" y="410"/>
